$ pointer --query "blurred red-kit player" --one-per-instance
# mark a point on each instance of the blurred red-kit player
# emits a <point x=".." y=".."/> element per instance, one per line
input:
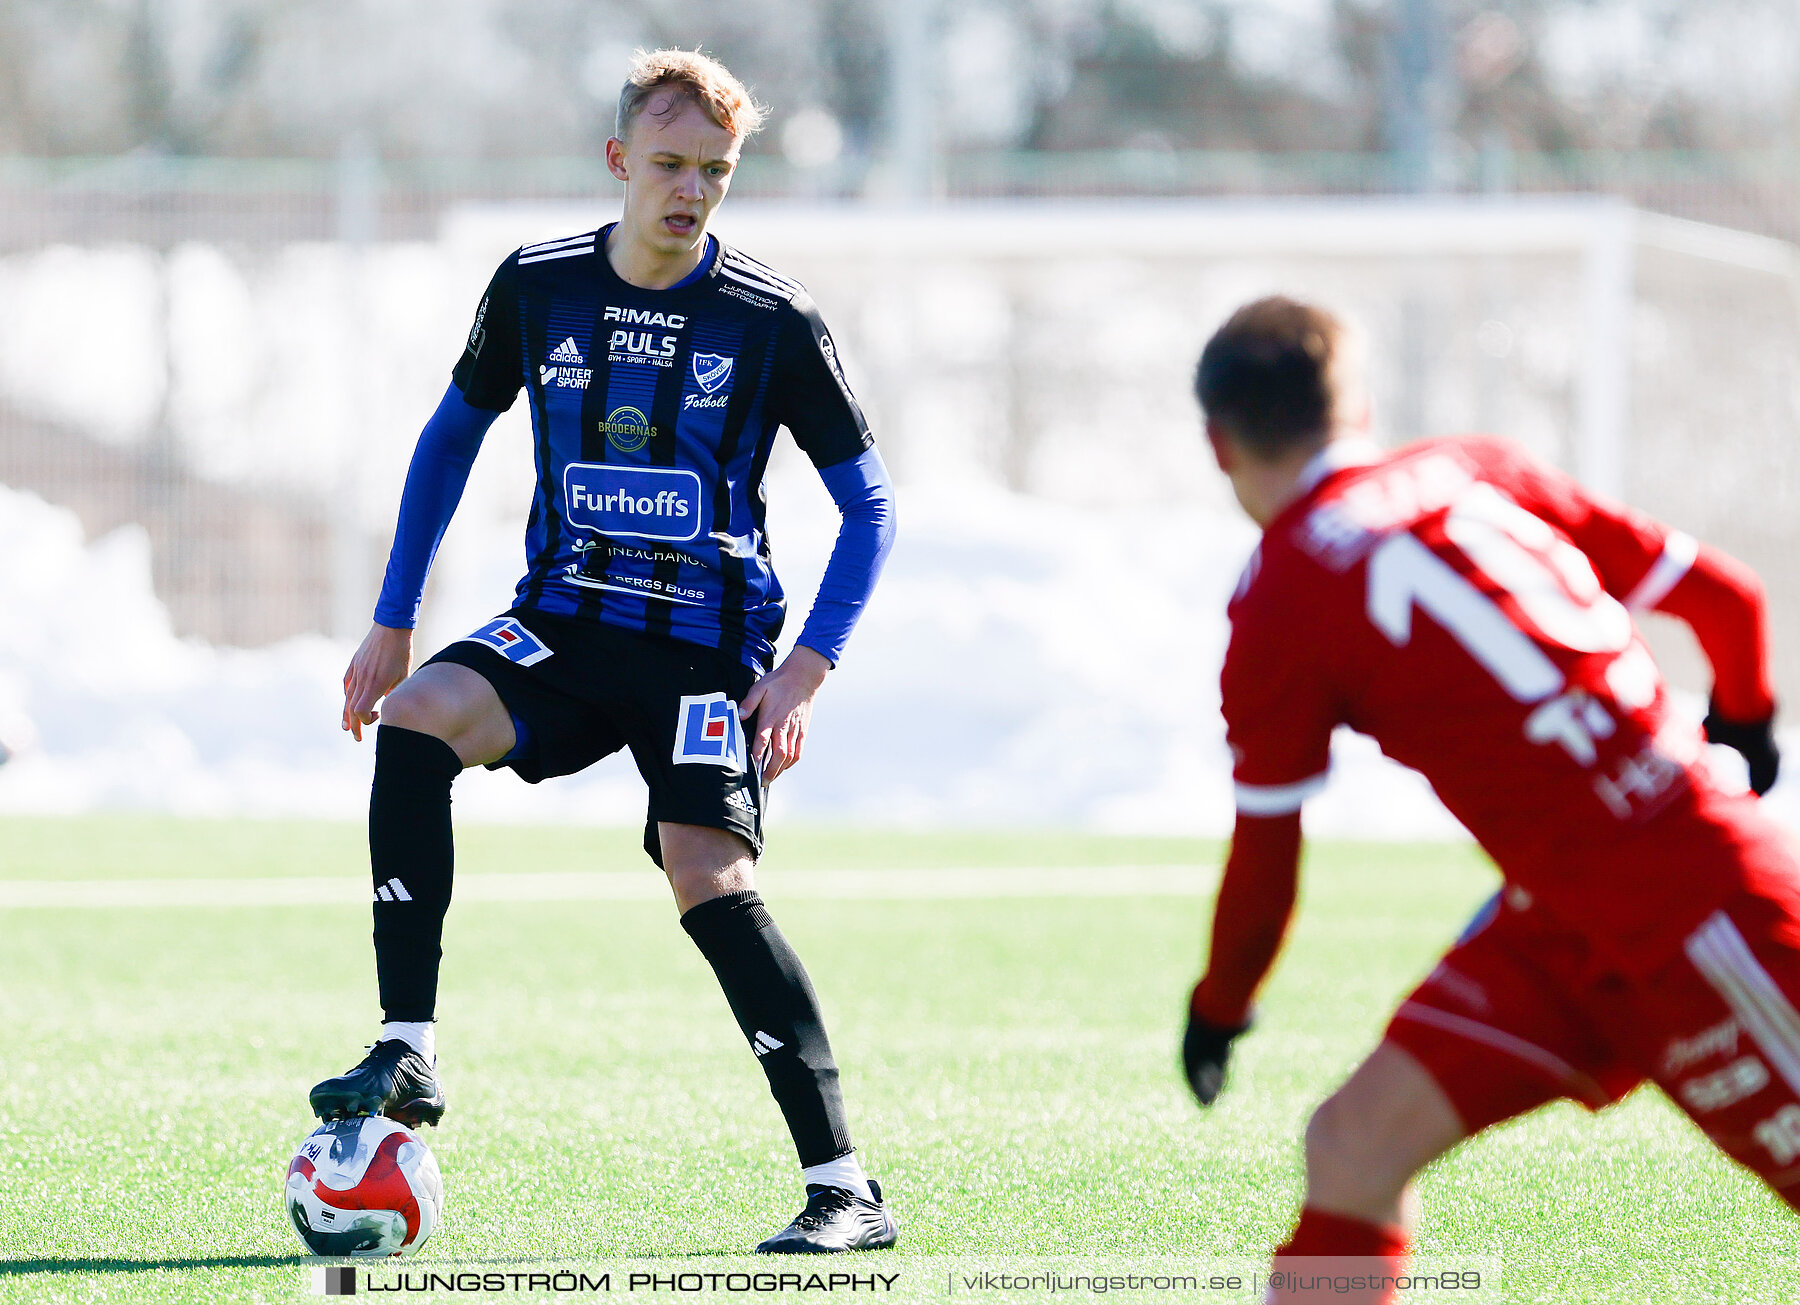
<point x="1470" y="608"/>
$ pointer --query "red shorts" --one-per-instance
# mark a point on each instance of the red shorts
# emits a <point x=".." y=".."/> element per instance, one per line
<point x="1520" y="1013"/>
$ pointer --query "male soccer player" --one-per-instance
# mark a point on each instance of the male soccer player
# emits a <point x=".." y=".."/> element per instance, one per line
<point x="658" y="364"/>
<point x="1470" y="608"/>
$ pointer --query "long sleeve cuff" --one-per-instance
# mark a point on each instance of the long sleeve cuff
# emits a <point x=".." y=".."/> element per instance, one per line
<point x="865" y="497"/>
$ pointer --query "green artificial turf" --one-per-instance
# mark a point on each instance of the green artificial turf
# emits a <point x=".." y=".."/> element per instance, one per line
<point x="1010" y="1065"/>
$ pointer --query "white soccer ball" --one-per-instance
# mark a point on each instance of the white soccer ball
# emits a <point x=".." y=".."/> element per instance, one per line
<point x="365" y="1187"/>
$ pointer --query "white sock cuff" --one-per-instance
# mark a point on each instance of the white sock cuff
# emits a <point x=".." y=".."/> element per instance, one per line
<point x="845" y="1172"/>
<point x="420" y="1035"/>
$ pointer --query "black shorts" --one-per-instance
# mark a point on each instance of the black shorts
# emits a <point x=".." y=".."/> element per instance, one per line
<point x="579" y="691"/>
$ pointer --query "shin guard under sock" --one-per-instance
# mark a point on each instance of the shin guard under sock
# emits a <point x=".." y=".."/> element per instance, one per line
<point x="411" y="855"/>
<point x="1324" y="1246"/>
<point x="776" y="1008"/>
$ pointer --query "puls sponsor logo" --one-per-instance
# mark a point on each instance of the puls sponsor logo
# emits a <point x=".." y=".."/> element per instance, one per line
<point x="644" y="347"/>
<point x="641" y="347"/>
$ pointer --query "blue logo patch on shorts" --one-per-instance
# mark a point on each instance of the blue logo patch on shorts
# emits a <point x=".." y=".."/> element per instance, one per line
<point x="708" y="733"/>
<point x="512" y="641"/>
<point x="633" y="502"/>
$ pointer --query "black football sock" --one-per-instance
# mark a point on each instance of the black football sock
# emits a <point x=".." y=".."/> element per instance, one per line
<point x="412" y="856"/>
<point x="778" y="1011"/>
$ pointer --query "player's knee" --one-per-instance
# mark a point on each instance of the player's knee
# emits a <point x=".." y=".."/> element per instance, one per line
<point x="1346" y="1148"/>
<point x="408" y="707"/>
<point x="703" y="863"/>
<point x="417" y="705"/>
<point x="695" y="884"/>
<point x="466" y="716"/>
<point x="1326" y="1138"/>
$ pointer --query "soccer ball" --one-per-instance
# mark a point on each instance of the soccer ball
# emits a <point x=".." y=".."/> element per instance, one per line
<point x="365" y="1187"/>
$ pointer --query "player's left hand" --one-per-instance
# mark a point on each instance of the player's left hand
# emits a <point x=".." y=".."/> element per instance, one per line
<point x="1753" y="740"/>
<point x="1204" y="1051"/>
<point x="781" y="702"/>
<point x="380" y="663"/>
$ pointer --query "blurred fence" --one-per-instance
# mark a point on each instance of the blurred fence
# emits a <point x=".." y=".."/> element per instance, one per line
<point x="239" y="355"/>
<point x="161" y="199"/>
<point x="1757" y="191"/>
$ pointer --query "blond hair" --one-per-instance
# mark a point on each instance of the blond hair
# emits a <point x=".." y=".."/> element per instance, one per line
<point x="695" y="77"/>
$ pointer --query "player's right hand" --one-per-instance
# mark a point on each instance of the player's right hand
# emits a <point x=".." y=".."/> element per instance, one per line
<point x="380" y="663"/>
<point x="1204" y="1051"/>
<point x="1753" y="740"/>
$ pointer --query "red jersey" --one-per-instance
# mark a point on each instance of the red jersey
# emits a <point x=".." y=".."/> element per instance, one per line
<point x="1469" y="607"/>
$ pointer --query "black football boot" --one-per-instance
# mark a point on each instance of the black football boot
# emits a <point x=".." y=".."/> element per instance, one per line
<point x="393" y="1080"/>
<point x="835" y="1220"/>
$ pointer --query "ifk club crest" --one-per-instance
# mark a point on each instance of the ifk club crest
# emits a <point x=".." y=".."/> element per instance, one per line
<point x="712" y="370"/>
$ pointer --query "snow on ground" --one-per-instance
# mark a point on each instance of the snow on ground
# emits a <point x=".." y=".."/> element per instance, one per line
<point x="1022" y="665"/>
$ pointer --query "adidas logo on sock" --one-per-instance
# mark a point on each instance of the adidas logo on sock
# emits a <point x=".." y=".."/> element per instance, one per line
<point x="566" y="352"/>
<point x="392" y="891"/>
<point x="763" y="1044"/>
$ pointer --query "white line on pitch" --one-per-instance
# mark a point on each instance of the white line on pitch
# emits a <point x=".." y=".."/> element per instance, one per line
<point x="623" y="886"/>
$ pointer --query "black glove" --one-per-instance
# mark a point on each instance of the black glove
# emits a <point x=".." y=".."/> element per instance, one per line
<point x="1755" y="740"/>
<point x="1204" y="1052"/>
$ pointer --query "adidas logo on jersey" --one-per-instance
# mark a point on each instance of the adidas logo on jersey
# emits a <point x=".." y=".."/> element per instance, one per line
<point x="763" y="1044"/>
<point x="566" y="352"/>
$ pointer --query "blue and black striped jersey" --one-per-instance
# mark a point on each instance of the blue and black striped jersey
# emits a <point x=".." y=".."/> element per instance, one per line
<point x="653" y="414"/>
